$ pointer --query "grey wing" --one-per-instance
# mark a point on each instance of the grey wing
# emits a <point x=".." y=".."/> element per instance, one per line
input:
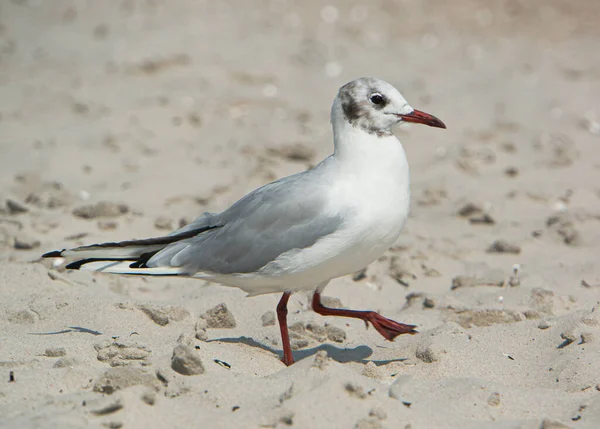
<point x="202" y="221"/>
<point x="281" y="216"/>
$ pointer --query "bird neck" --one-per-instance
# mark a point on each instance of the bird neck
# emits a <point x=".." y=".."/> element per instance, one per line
<point x="358" y="150"/>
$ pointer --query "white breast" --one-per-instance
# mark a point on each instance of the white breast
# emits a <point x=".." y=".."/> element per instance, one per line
<point x="372" y="197"/>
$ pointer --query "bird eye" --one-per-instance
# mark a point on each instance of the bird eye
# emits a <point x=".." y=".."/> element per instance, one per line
<point x="376" y="98"/>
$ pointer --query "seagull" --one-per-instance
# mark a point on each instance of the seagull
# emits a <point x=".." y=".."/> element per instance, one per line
<point x="301" y="231"/>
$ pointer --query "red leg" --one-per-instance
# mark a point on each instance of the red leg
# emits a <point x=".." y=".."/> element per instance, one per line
<point x="282" y="312"/>
<point x="386" y="327"/>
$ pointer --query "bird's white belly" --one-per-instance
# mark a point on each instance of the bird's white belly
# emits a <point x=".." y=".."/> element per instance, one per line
<point x="373" y="227"/>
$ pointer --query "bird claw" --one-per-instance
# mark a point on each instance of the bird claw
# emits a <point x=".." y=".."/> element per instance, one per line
<point x="388" y="328"/>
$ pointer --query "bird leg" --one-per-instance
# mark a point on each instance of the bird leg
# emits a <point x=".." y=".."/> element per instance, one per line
<point x="388" y="328"/>
<point x="282" y="312"/>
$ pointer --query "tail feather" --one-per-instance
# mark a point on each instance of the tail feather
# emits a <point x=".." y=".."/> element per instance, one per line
<point x="124" y="267"/>
<point x="112" y="256"/>
<point x="130" y="253"/>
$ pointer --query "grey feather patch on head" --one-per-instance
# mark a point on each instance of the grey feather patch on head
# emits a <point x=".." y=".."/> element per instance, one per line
<point x="358" y="110"/>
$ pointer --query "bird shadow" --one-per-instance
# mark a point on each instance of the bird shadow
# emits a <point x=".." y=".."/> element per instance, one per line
<point x="77" y="329"/>
<point x="357" y="354"/>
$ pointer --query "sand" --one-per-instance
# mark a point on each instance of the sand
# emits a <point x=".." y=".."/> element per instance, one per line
<point x="123" y="120"/>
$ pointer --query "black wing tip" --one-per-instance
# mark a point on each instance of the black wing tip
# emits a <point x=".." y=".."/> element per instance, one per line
<point x="53" y="254"/>
<point x="76" y="265"/>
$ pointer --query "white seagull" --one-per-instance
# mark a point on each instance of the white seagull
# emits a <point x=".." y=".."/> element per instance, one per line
<point x="301" y="231"/>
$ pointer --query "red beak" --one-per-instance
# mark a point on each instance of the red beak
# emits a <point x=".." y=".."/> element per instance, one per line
<point x="423" y="118"/>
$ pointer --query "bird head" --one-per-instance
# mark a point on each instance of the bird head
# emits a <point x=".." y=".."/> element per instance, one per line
<point x="375" y="106"/>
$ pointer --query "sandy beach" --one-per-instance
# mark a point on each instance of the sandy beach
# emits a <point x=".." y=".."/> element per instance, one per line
<point x="127" y="119"/>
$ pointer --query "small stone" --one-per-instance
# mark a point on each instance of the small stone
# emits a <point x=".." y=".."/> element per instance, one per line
<point x="544" y="324"/>
<point x="331" y="302"/>
<point x="195" y="120"/>
<point x="542" y="300"/>
<point x="569" y="336"/>
<point x="355" y="390"/>
<point x="101" y="209"/>
<point x="430" y="272"/>
<point x="185" y="361"/>
<point x="121" y="353"/>
<point x="176" y="313"/>
<point x="359" y="275"/>
<point x="25" y="242"/>
<point x="401" y="269"/>
<point x="298" y="327"/>
<point x="471" y="281"/>
<point x="49" y="195"/>
<point x="502" y="246"/>
<point x="186" y="339"/>
<point x="108" y="407"/>
<point x="280" y="416"/>
<point x="484" y="219"/>
<point x="157" y="314"/>
<point x="469" y="209"/>
<point x="286" y="417"/>
<point x="316" y="331"/>
<point x="162" y="377"/>
<point x="432" y="196"/>
<point x="15" y="207"/>
<point x="531" y="314"/>
<point x="149" y="397"/>
<point x="268" y="319"/>
<point x="427" y="354"/>
<point x="65" y="362"/>
<point x="463" y="281"/>
<point x="378" y="413"/>
<point x="587" y="337"/>
<point x="55" y="352"/>
<point x="295" y="153"/>
<point x="200" y="328"/>
<point x="219" y="317"/>
<point x="121" y="378"/>
<point x="163" y="223"/>
<point x="428" y="303"/>
<point x="299" y="343"/>
<point x="335" y="334"/>
<point x="371" y="370"/>
<point x="80" y="108"/>
<point x="107" y="225"/>
<point x="557" y="219"/>
<point x="494" y="400"/>
<point x="569" y="235"/>
<point x="562" y="225"/>
<point x="163" y="315"/>
<point x="321" y="360"/>
<point x="414" y="298"/>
